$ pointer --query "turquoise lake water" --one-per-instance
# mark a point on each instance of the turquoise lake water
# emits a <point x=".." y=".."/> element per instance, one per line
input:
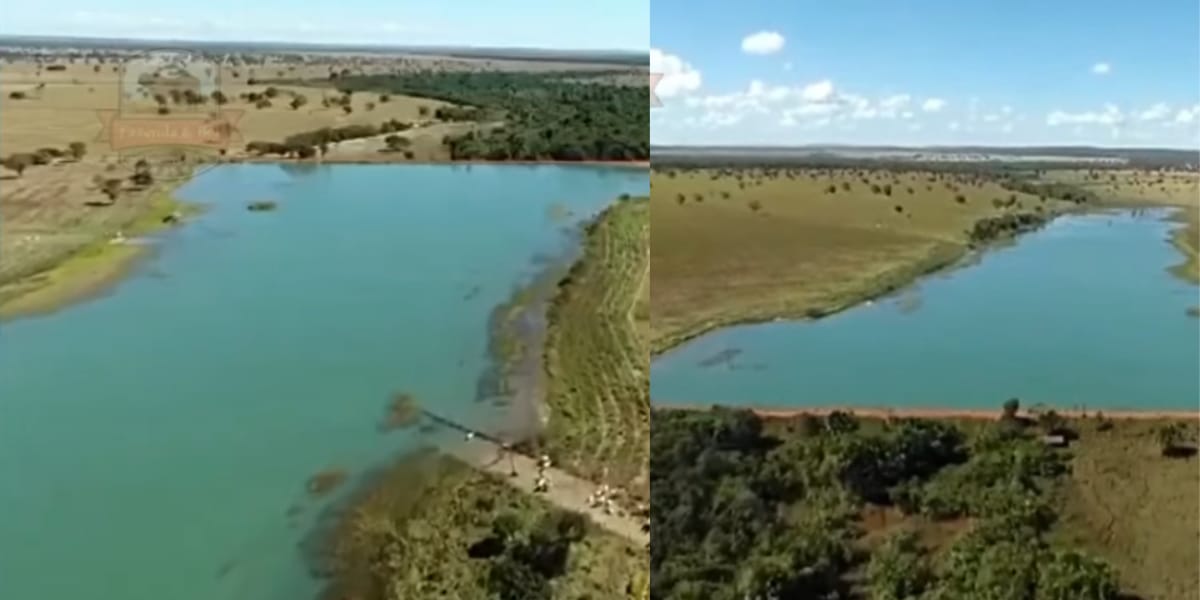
<point x="154" y="441"/>
<point x="1082" y="312"/>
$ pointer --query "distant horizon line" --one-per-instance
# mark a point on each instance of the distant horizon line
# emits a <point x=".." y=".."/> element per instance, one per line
<point x="317" y="44"/>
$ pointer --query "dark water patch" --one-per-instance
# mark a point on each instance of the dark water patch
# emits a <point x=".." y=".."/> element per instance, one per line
<point x="725" y="356"/>
<point x="909" y="302"/>
<point x="402" y="411"/>
<point x="325" y="481"/>
<point x="226" y="568"/>
<point x="472" y="293"/>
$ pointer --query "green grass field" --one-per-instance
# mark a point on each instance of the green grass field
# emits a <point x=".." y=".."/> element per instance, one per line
<point x="734" y="245"/>
<point x="596" y="356"/>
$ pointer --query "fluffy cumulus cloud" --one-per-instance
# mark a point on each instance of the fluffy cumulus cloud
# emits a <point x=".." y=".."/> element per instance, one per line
<point x="1102" y="68"/>
<point x="933" y="105"/>
<point x="820" y="91"/>
<point x="678" y="77"/>
<point x="813" y="105"/>
<point x="763" y="42"/>
<point x="1188" y="115"/>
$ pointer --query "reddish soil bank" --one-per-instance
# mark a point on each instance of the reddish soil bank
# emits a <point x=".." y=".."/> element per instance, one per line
<point x="953" y="413"/>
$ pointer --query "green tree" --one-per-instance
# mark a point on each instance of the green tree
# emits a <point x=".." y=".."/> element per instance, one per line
<point x="396" y="143"/>
<point x="1011" y="407"/>
<point x="511" y="579"/>
<point x="1070" y="575"/>
<point x="19" y="162"/>
<point x="897" y="570"/>
<point x="77" y="150"/>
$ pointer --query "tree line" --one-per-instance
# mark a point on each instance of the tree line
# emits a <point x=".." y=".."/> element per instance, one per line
<point x="543" y="115"/>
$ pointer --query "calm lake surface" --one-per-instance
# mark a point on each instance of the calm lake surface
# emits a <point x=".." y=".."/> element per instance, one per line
<point x="1081" y="312"/>
<point x="155" y="443"/>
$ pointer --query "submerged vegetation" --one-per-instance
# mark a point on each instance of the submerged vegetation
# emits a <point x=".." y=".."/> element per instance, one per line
<point x="835" y="507"/>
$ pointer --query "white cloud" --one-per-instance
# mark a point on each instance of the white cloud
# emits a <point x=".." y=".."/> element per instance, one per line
<point x="1157" y="112"/>
<point x="787" y="66"/>
<point x="933" y="105"/>
<point x="953" y="126"/>
<point x="895" y="102"/>
<point x="1008" y="127"/>
<point x="763" y="42"/>
<point x="678" y="77"/>
<point x="1111" y="115"/>
<point x="991" y="118"/>
<point x="1101" y="68"/>
<point x="1188" y="115"/>
<point x="820" y="91"/>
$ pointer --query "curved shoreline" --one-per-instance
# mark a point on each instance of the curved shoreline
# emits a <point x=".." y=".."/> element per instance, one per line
<point x="95" y="269"/>
<point x="101" y="266"/>
<point x="944" y="257"/>
<point x="881" y="412"/>
<point x="906" y="277"/>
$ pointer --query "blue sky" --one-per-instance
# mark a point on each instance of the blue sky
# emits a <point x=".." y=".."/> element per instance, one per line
<point x="1103" y="72"/>
<point x="567" y="24"/>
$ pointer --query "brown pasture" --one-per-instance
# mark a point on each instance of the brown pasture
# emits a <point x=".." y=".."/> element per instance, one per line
<point x="745" y="245"/>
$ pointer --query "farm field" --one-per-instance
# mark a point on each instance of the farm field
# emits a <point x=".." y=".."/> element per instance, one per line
<point x="278" y="110"/>
<point x="61" y="107"/>
<point x="749" y="244"/>
<point x="597" y="361"/>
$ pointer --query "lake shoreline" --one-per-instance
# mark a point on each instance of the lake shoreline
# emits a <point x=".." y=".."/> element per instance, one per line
<point x="943" y="259"/>
<point x="94" y="270"/>
<point x="882" y="412"/>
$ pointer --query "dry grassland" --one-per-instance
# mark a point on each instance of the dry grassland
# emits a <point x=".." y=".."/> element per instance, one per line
<point x="744" y="245"/>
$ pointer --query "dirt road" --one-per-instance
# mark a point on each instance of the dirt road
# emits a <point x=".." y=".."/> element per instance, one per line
<point x="566" y="491"/>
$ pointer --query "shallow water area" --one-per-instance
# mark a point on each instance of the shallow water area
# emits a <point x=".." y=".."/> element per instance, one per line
<point x="1080" y="313"/>
<point x="156" y="442"/>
